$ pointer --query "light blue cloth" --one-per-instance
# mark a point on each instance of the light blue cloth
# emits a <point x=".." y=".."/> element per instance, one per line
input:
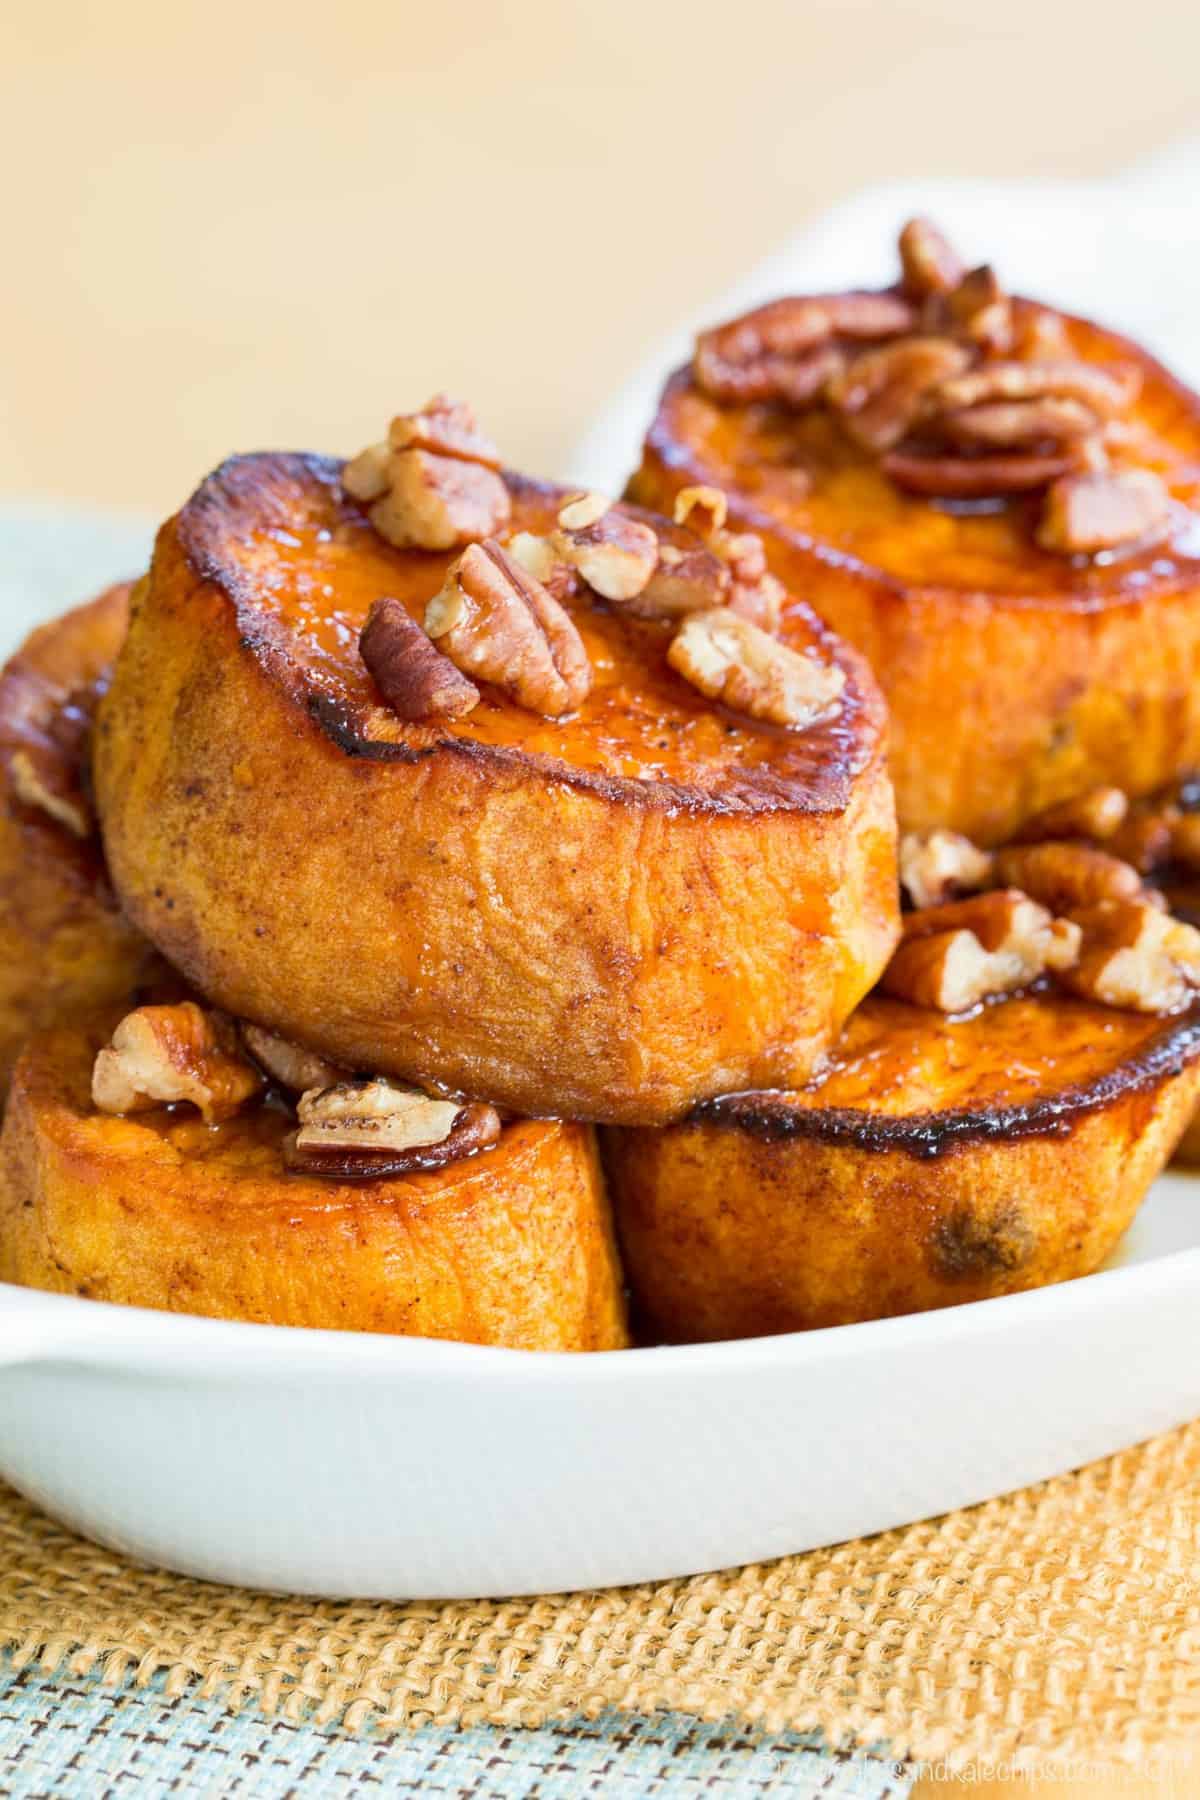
<point x="63" y="1739"/>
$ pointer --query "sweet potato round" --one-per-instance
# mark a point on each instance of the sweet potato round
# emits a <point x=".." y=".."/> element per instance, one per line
<point x="510" y="1247"/>
<point x="937" y="1161"/>
<point x="1016" y="678"/>
<point x="603" y="917"/>
<point x="64" y="944"/>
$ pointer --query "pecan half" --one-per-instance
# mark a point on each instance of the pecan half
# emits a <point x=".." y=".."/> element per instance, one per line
<point x="615" y="555"/>
<point x="1103" y="509"/>
<point x="1067" y="876"/>
<point x="952" y="957"/>
<point x="48" y="787"/>
<point x="972" y="477"/>
<point x="439" y="502"/>
<point x="784" y="350"/>
<point x="1098" y="813"/>
<point x="448" y="428"/>
<point x="498" y="623"/>
<point x="1108" y="391"/>
<point x="929" y="262"/>
<point x="288" y="1064"/>
<point x="370" y="1130"/>
<point x="164" y="1055"/>
<point x="1136" y="957"/>
<point x="413" y="676"/>
<point x="731" y="659"/>
<point x="879" y="396"/>
<point x="938" y="866"/>
<point x="1019" y="424"/>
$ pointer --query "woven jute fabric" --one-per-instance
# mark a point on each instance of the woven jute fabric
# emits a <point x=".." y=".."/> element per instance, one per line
<point x="1061" y="1622"/>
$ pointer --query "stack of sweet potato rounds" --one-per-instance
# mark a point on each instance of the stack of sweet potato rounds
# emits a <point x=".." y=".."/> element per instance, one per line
<point x="442" y="903"/>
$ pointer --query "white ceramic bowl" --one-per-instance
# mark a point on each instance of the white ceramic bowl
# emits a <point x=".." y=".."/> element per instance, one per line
<point x="348" y="1465"/>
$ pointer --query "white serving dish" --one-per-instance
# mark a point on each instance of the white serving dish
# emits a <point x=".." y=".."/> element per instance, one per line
<point x="347" y="1465"/>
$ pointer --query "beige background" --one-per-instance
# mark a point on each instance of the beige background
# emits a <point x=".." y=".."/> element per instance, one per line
<point x="253" y="223"/>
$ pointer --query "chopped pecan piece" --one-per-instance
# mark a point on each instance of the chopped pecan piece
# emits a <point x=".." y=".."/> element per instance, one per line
<point x="728" y="658"/>
<point x="880" y="394"/>
<point x="537" y="557"/>
<point x="981" y="311"/>
<point x="1096" y="814"/>
<point x="289" y="1064"/>
<point x="413" y="676"/>
<point x="754" y="593"/>
<point x="49" y="788"/>
<point x="439" y="502"/>
<point x="367" y="476"/>
<point x="535" y="554"/>
<point x="973" y="477"/>
<point x="685" y="581"/>
<point x="163" y="1055"/>
<point x="498" y="623"/>
<point x="952" y="957"/>
<point x="712" y="504"/>
<point x="369" y="1130"/>
<point x="448" y="428"/>
<point x="1103" y="509"/>
<point x="1136" y="957"/>
<point x="938" y="866"/>
<point x="1067" y="876"/>
<point x="615" y="555"/>
<point x="929" y="261"/>
<point x="759" y="601"/>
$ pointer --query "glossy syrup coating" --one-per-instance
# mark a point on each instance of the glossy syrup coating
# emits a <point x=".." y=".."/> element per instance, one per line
<point x="1015" y="677"/>
<point x="935" y="1161"/>
<point x="64" y="944"/>
<point x="610" y="915"/>
<point x="510" y="1247"/>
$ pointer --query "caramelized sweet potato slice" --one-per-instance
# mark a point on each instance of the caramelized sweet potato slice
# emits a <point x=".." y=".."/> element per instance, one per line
<point x="512" y="1246"/>
<point x="608" y="914"/>
<point x="64" y="945"/>
<point x="937" y="1161"/>
<point x="1017" y="676"/>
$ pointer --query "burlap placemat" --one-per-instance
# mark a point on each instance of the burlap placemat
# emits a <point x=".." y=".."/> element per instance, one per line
<point x="1063" y="1622"/>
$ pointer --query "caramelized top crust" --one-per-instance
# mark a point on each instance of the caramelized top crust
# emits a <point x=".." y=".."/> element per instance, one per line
<point x="301" y="566"/>
<point x="799" y="471"/>
<point x="49" y="692"/>
<point x="904" y="1078"/>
